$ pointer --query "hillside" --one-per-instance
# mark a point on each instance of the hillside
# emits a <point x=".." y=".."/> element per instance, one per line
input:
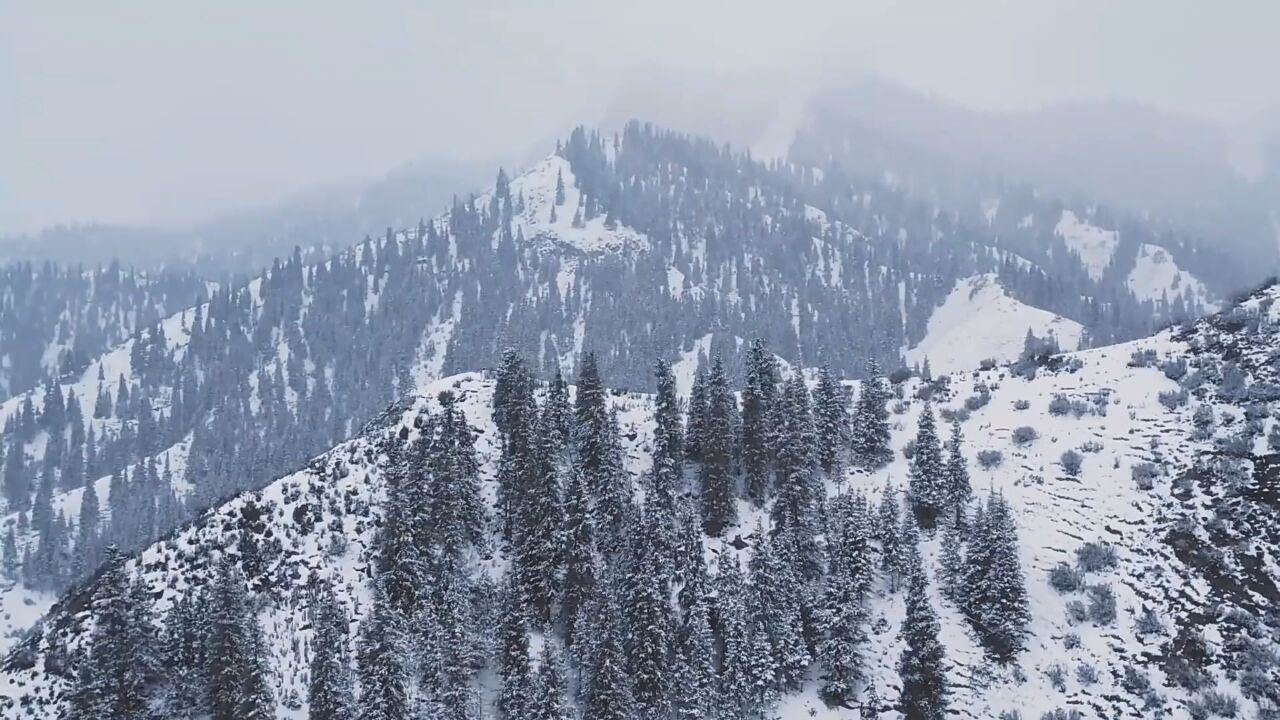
<point x="979" y="321"/>
<point x="1179" y="503"/>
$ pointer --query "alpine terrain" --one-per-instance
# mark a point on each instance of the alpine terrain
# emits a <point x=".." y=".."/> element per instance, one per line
<point x="655" y="429"/>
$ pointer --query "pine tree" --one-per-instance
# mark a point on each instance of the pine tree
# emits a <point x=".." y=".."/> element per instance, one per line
<point x="550" y="701"/>
<point x="735" y="640"/>
<point x="929" y="490"/>
<point x="609" y="695"/>
<point x="330" y="692"/>
<point x="666" y="478"/>
<point x="381" y="663"/>
<point x="958" y="487"/>
<point x="695" y="673"/>
<point x="995" y="594"/>
<point x="777" y="605"/>
<point x="951" y="570"/>
<point x="759" y="400"/>
<point x="831" y="422"/>
<point x="184" y="652"/>
<point x="871" y="421"/>
<point x="795" y="510"/>
<point x="647" y="612"/>
<point x="236" y="666"/>
<point x="922" y="665"/>
<point x="888" y="525"/>
<point x="719" y="504"/>
<point x="842" y="615"/>
<point x="695" y="430"/>
<point x="124" y="653"/>
<point x="579" y="553"/>
<point x="513" y="655"/>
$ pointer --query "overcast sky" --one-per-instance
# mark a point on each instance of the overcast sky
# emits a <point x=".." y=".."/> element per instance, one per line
<point x="165" y="112"/>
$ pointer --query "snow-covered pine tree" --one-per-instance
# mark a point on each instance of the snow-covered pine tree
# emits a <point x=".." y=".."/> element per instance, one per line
<point x="668" y="440"/>
<point x="123" y="655"/>
<point x="929" y="491"/>
<point x="841" y="616"/>
<point x="579" y="579"/>
<point x="995" y="593"/>
<point x="831" y="422"/>
<point x="735" y="639"/>
<point x="330" y="689"/>
<point x="538" y="542"/>
<point x="798" y="489"/>
<point x="922" y="666"/>
<point x="888" y="529"/>
<point x="694" y="691"/>
<point x="184" y="647"/>
<point x="648" y="617"/>
<point x="609" y="695"/>
<point x="549" y="699"/>
<point x="381" y="663"/>
<point x="695" y="428"/>
<point x="719" y="502"/>
<point x="871" y="420"/>
<point x="951" y="563"/>
<point x="513" y="652"/>
<point x="759" y="399"/>
<point x="236" y="663"/>
<point x="958" y="486"/>
<point x="665" y="480"/>
<point x="776" y="601"/>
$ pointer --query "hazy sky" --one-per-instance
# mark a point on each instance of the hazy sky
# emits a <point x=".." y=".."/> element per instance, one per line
<point x="146" y="112"/>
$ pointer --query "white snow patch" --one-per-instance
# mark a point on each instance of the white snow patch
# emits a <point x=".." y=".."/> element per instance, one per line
<point x="979" y="320"/>
<point x="1155" y="276"/>
<point x="1092" y="244"/>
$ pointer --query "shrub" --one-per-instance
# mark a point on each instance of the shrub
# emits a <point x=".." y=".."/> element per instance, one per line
<point x="1071" y="641"/>
<point x="1060" y="714"/>
<point x="1077" y="612"/>
<point x="1148" y="623"/>
<point x="909" y="450"/>
<point x="1091" y="446"/>
<point x="1071" y="462"/>
<point x="899" y="407"/>
<point x="1219" y="704"/>
<point x="951" y="415"/>
<point x="1065" y="579"/>
<point x="1095" y="556"/>
<point x="1102" y="604"/>
<point x="989" y="459"/>
<point x="1025" y="435"/>
<point x="1087" y="674"/>
<point x="1174" y="399"/>
<point x="899" y="376"/>
<point x="1057" y="677"/>
<point x="978" y="401"/>
<point x="1059" y="405"/>
<point x="1174" y="369"/>
<point x="1021" y="404"/>
<point x="1144" y="474"/>
<point x="1142" y="358"/>
<point x="987" y="364"/>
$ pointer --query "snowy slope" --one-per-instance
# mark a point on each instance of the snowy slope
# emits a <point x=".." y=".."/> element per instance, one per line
<point x="1156" y="277"/>
<point x="537" y="186"/>
<point x="1124" y="424"/>
<point x="1094" y="246"/>
<point x="979" y="320"/>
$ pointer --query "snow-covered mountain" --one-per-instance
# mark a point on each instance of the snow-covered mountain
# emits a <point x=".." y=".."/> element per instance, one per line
<point x="648" y="245"/>
<point x="1176" y="505"/>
